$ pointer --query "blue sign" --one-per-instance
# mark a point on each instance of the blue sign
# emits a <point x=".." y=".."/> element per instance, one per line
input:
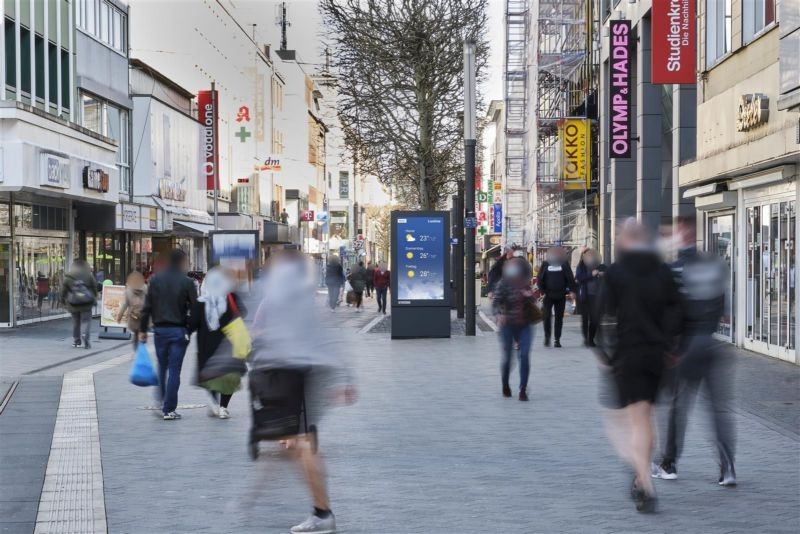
<point x="454" y="241"/>
<point x="497" y="218"/>
<point x="420" y="260"/>
<point x="470" y="222"/>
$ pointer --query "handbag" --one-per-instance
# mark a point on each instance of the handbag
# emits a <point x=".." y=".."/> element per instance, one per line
<point x="142" y="372"/>
<point x="532" y="312"/>
<point x="237" y="332"/>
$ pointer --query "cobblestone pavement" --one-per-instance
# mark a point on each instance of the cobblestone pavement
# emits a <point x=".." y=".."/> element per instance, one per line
<point x="431" y="446"/>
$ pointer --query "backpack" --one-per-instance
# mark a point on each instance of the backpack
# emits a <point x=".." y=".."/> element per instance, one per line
<point x="79" y="294"/>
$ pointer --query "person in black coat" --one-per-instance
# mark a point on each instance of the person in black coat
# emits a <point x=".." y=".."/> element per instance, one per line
<point x="588" y="275"/>
<point x="496" y="272"/>
<point x="334" y="279"/>
<point x="555" y="281"/>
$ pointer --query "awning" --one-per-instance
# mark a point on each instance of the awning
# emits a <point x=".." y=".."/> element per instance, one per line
<point x="193" y="228"/>
<point x="492" y="252"/>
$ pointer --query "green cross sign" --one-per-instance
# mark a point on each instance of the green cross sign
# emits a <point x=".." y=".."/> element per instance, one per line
<point x="242" y="134"/>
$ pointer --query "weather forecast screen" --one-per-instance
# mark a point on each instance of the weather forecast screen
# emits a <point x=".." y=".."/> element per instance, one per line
<point x="420" y="258"/>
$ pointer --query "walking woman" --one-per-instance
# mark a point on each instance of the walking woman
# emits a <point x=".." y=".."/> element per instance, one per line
<point x="217" y="370"/>
<point x="135" y="292"/>
<point x="515" y="312"/>
<point x="334" y="279"/>
<point x="640" y="298"/>
<point x="588" y="275"/>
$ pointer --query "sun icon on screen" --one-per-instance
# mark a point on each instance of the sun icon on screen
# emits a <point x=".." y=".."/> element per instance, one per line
<point x="411" y="274"/>
<point x="409" y="255"/>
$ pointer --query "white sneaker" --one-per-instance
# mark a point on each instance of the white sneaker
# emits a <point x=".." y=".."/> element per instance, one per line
<point x="224" y="413"/>
<point x="316" y="525"/>
<point x="213" y="409"/>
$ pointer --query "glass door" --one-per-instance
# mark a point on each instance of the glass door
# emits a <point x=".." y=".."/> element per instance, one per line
<point x="721" y="242"/>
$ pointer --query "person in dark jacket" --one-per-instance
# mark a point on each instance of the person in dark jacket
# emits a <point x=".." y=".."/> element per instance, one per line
<point x="702" y="279"/>
<point x="358" y="279"/>
<point x="588" y="275"/>
<point x="640" y="295"/>
<point x="381" y="279"/>
<point x="217" y="306"/>
<point x="79" y="294"/>
<point x="334" y="279"/>
<point x="555" y="281"/>
<point x="170" y="296"/>
<point x="496" y="272"/>
<point x="369" y="282"/>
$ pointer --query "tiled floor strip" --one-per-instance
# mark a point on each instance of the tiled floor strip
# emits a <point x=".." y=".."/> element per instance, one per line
<point x="72" y="499"/>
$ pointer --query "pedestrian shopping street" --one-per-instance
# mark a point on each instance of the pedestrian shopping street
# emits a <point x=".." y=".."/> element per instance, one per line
<point x="430" y="446"/>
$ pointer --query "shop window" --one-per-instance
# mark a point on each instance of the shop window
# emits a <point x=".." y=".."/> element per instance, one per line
<point x="756" y="15"/>
<point x="5" y="216"/>
<point x="718" y="30"/>
<point x="40" y="266"/>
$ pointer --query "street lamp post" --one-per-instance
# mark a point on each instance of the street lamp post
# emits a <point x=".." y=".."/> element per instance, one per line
<point x="470" y="221"/>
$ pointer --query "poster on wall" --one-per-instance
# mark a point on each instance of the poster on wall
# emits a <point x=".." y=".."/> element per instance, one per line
<point x="620" y="94"/>
<point x="110" y="304"/>
<point x="673" y="42"/>
<point x="420" y="258"/>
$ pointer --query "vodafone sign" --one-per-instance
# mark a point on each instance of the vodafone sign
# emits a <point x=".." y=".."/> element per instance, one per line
<point x="674" y="41"/>
<point x="207" y="115"/>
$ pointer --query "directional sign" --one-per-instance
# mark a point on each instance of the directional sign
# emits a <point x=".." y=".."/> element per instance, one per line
<point x="454" y="241"/>
<point x="470" y="222"/>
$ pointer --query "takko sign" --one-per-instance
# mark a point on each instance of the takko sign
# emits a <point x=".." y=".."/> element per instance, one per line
<point x="620" y="94"/>
<point x="674" y="41"/>
<point x="207" y="114"/>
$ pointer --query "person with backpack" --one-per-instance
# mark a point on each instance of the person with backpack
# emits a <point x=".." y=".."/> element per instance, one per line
<point x="79" y="294"/>
<point x="135" y="292"/>
<point x="555" y="281"/>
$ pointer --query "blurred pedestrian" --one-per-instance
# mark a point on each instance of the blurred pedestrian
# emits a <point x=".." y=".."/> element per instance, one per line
<point x="382" y="279"/>
<point x="170" y="296"/>
<point x="515" y="312"/>
<point x="217" y="370"/>
<point x="369" y="282"/>
<point x="42" y="289"/>
<point x="358" y="280"/>
<point x="334" y="279"/>
<point x="641" y="297"/>
<point x="701" y="360"/>
<point x="555" y="281"/>
<point x="588" y="275"/>
<point x="297" y="354"/>
<point x="79" y="293"/>
<point x="496" y="271"/>
<point x="133" y="303"/>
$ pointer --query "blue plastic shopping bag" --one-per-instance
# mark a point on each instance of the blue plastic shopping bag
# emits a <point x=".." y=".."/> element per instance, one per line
<point x="142" y="372"/>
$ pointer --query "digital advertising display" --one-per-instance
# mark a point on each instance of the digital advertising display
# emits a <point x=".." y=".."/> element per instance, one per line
<point x="420" y="261"/>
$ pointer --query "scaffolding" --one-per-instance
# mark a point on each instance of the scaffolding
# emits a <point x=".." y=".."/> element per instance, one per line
<point x="566" y="77"/>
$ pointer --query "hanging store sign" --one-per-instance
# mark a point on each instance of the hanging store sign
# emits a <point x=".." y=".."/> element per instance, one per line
<point x="752" y="111"/>
<point x="272" y="164"/>
<point x="497" y="218"/>
<point x="95" y="179"/>
<point x="307" y="215"/>
<point x="54" y="171"/>
<point x="573" y="136"/>
<point x="620" y="94"/>
<point x="208" y="113"/>
<point x="673" y="41"/>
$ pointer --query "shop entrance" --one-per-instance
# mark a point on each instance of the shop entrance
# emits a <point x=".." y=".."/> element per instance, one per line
<point x="770" y="290"/>
<point x="721" y="241"/>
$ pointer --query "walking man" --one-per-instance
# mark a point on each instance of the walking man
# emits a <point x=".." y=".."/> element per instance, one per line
<point x="79" y="293"/>
<point x="370" y="283"/>
<point x="382" y="280"/>
<point x="170" y="296"/>
<point x="334" y="279"/>
<point x="358" y="279"/>
<point x="555" y="281"/>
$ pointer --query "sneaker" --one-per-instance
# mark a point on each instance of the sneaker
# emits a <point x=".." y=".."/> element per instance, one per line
<point x="171" y="416"/>
<point x="523" y="396"/>
<point x="316" y="525"/>
<point x="644" y="502"/>
<point x="506" y="391"/>
<point x="76" y="344"/>
<point x="213" y="409"/>
<point x="557" y="344"/>
<point x="727" y="475"/>
<point x="86" y="344"/>
<point x="224" y="413"/>
<point x="547" y="342"/>
<point x="665" y="470"/>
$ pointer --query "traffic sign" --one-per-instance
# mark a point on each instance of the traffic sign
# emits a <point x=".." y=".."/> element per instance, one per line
<point x="454" y="241"/>
<point x="470" y="222"/>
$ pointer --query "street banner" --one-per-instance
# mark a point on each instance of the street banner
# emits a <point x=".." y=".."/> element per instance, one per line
<point x="573" y="136"/>
<point x="497" y="219"/>
<point x="208" y="113"/>
<point x="620" y="94"/>
<point x="110" y="304"/>
<point x="673" y="41"/>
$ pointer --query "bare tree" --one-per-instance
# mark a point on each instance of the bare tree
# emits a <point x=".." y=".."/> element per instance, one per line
<point x="400" y="69"/>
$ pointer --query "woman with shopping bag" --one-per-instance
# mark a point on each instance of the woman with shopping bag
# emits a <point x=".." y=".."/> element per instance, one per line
<point x="222" y="339"/>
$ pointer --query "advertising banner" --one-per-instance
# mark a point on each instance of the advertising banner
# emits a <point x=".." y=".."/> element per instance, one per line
<point x="573" y="136"/>
<point x="620" y="94"/>
<point x="207" y="113"/>
<point x="111" y="302"/>
<point x="420" y="259"/>
<point x="674" y="41"/>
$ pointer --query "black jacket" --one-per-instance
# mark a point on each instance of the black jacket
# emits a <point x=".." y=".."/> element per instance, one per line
<point x="702" y="280"/>
<point x="495" y="274"/>
<point x="556" y="281"/>
<point x="334" y="275"/>
<point x="209" y="341"/>
<point x="588" y="284"/>
<point x="170" y="296"/>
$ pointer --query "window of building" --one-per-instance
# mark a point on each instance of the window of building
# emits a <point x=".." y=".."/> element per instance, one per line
<point x="103" y="21"/>
<point x="718" y="30"/>
<point x="92" y="113"/>
<point x="11" y="53"/>
<point x="756" y="15"/>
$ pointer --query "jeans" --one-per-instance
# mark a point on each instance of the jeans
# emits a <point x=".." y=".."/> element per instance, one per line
<point x="559" y="305"/>
<point x="333" y="295"/>
<point x="705" y="363"/>
<point x="380" y="292"/>
<point x="171" y="345"/>
<point x="522" y="334"/>
<point x="81" y="324"/>
<point x="588" y="321"/>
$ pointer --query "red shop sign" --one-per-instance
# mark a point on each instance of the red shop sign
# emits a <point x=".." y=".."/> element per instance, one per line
<point x="674" y="41"/>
